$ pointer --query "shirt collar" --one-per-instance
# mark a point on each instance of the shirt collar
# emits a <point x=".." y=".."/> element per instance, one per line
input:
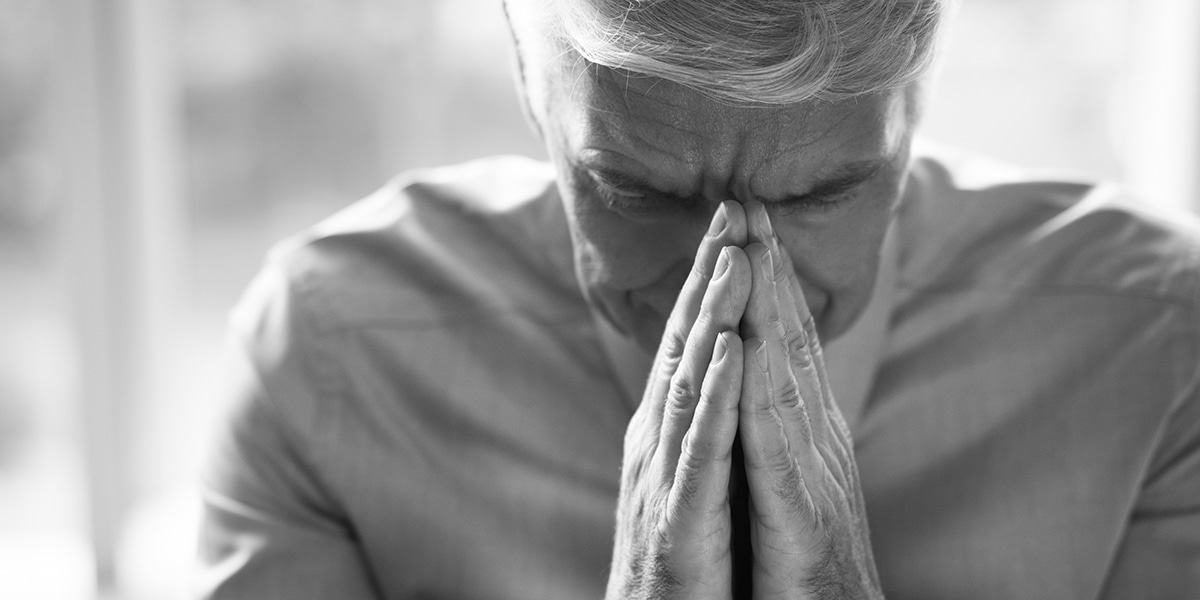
<point x="851" y="360"/>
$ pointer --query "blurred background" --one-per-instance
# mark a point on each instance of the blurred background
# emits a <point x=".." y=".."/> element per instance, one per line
<point x="152" y="150"/>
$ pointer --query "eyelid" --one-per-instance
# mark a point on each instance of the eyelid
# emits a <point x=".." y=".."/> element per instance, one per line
<point x="814" y="203"/>
<point x="615" y="179"/>
<point x="616" y="189"/>
<point x="641" y="202"/>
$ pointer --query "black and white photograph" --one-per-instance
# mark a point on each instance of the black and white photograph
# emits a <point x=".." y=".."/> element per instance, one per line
<point x="599" y="299"/>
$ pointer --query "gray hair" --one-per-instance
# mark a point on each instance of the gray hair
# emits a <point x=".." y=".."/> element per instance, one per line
<point x="760" y="51"/>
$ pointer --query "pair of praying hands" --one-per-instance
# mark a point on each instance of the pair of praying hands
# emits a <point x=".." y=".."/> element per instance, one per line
<point x="740" y="357"/>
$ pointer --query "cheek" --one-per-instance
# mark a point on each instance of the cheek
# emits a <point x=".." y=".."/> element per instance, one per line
<point x="836" y="263"/>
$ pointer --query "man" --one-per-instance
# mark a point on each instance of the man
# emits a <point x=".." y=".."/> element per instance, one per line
<point x="508" y="380"/>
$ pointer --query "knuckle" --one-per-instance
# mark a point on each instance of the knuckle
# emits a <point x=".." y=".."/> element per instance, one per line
<point x="810" y="327"/>
<point x="705" y="319"/>
<point x="788" y="392"/>
<point x="682" y="392"/>
<point x="798" y="349"/>
<point x="773" y="320"/>
<point x="698" y="452"/>
<point x="672" y="348"/>
<point x="779" y="268"/>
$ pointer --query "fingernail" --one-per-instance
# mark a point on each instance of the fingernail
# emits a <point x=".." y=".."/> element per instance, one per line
<point x="722" y="263"/>
<point x="768" y="266"/>
<point x="721" y="347"/>
<point x="773" y="242"/>
<point x="763" y="223"/>
<point x="760" y="356"/>
<point x="720" y="219"/>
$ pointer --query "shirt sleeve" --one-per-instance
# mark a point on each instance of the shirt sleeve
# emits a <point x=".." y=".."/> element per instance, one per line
<point x="270" y="528"/>
<point x="1159" y="558"/>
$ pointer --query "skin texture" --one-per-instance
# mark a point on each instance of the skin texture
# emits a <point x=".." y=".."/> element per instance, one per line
<point x="731" y="239"/>
<point x="673" y="521"/>
<point x="809" y="530"/>
<point x="644" y="163"/>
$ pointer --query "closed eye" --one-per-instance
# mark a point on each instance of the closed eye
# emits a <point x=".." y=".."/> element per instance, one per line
<point x="635" y="198"/>
<point x="608" y="187"/>
<point x="811" y="202"/>
<point x="828" y="194"/>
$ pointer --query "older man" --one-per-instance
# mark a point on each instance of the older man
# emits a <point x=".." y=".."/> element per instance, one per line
<point x="605" y="376"/>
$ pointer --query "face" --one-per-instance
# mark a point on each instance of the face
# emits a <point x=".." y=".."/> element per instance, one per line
<point x="643" y="163"/>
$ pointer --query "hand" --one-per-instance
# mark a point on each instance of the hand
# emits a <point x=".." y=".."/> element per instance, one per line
<point x="808" y="523"/>
<point x="673" y="521"/>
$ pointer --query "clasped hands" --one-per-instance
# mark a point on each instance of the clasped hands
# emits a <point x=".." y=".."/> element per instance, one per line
<point x="740" y="355"/>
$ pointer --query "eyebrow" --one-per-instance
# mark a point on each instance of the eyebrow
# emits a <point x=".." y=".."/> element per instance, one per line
<point x="842" y="178"/>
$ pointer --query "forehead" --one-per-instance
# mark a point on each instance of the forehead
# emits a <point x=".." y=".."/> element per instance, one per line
<point x="650" y="121"/>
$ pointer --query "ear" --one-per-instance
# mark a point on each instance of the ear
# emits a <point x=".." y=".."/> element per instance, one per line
<point x="522" y="80"/>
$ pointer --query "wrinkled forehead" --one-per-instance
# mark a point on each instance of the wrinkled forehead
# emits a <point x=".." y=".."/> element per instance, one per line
<point x="617" y="103"/>
<point x="615" y="108"/>
<point x="630" y="113"/>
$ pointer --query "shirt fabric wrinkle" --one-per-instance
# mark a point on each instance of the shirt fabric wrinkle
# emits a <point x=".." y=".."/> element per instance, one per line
<point x="450" y="413"/>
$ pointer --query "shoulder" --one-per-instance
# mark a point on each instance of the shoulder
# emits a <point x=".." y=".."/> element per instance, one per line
<point x="1038" y="289"/>
<point x="434" y="250"/>
<point x="429" y="245"/>
<point x="971" y="222"/>
<point x="1073" y="281"/>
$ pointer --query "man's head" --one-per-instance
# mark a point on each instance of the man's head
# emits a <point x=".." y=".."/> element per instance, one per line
<point x="655" y="111"/>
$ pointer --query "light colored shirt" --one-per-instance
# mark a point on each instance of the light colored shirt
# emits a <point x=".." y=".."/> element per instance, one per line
<point x="425" y="407"/>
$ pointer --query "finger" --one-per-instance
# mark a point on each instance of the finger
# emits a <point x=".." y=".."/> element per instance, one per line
<point x="799" y="329"/>
<point x="789" y="313"/>
<point x="720" y="310"/>
<point x="762" y="310"/>
<point x="805" y="345"/>
<point x="727" y="228"/>
<point x="764" y="320"/>
<point x="702" y="475"/>
<point x="758" y="223"/>
<point x="808" y="365"/>
<point x="829" y="430"/>
<point x="772" y="316"/>
<point x="774" y="467"/>
<point x="790" y="310"/>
